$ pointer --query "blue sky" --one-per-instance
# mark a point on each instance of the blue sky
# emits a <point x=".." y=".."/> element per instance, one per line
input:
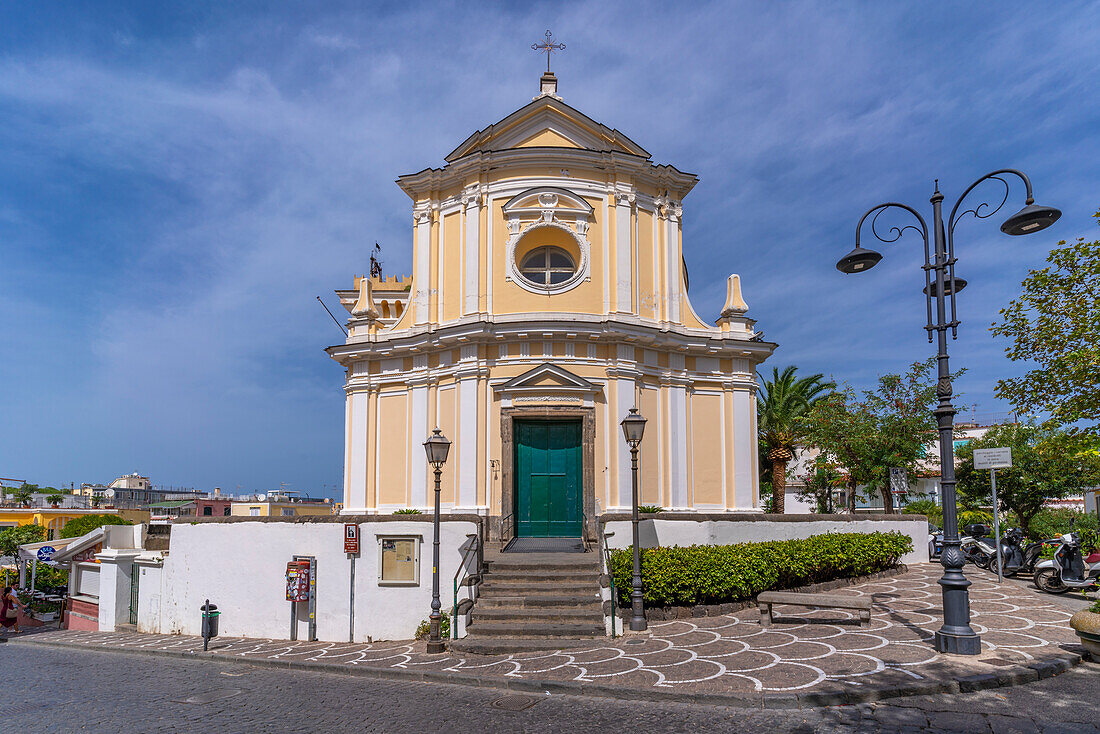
<point x="179" y="180"/>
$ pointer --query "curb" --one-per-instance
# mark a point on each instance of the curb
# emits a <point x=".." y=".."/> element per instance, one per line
<point x="1017" y="675"/>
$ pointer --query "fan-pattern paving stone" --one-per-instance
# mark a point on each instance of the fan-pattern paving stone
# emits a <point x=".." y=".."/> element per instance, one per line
<point x="724" y="654"/>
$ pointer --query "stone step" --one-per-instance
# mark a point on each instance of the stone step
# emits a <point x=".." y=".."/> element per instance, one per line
<point x="554" y="575"/>
<point x="534" y="631"/>
<point x="504" y="646"/>
<point x="522" y="601"/>
<point x="518" y="588"/>
<point x="532" y="567"/>
<point x="590" y="613"/>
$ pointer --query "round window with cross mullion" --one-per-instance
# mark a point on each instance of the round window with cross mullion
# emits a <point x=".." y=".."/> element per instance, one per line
<point x="547" y="266"/>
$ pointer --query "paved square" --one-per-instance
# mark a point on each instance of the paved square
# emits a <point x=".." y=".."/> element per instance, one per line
<point x="820" y="651"/>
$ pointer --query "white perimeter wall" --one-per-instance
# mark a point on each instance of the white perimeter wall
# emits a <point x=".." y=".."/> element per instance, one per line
<point x="664" y="532"/>
<point x="241" y="567"/>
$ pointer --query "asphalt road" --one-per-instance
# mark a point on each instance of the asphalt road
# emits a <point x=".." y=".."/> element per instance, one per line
<point x="60" y="690"/>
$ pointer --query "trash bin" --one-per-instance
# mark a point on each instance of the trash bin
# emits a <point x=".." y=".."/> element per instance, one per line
<point x="210" y="616"/>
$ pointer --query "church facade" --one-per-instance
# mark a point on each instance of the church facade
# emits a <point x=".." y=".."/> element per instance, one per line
<point x="549" y="296"/>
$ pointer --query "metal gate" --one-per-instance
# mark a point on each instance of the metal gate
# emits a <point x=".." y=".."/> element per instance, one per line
<point x="135" y="575"/>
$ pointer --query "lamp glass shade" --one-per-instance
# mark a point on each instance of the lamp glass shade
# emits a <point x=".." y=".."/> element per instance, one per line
<point x="436" y="447"/>
<point x="948" y="288"/>
<point x="633" y="427"/>
<point x="1032" y="218"/>
<point x="858" y="260"/>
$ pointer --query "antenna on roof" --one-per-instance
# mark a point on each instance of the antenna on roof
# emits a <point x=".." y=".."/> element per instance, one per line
<point x="338" y="324"/>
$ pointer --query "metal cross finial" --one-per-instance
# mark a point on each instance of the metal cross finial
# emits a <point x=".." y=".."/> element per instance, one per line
<point x="548" y="46"/>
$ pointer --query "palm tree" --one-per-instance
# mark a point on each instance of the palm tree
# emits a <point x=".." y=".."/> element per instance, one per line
<point x="781" y="402"/>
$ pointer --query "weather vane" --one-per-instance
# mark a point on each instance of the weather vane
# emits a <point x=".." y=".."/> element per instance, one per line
<point x="548" y="47"/>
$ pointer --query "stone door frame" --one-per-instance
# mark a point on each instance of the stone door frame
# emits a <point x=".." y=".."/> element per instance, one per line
<point x="587" y="416"/>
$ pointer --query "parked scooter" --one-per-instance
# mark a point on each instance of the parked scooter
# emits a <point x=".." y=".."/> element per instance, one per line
<point x="977" y="546"/>
<point x="1068" y="570"/>
<point x="1017" y="557"/>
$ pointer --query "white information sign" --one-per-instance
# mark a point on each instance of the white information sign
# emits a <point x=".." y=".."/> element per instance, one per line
<point x="993" y="458"/>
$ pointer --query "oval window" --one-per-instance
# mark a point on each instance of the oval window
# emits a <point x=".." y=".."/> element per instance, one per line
<point x="547" y="266"/>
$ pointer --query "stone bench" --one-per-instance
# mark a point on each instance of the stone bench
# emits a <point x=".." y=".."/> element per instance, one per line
<point x="818" y="601"/>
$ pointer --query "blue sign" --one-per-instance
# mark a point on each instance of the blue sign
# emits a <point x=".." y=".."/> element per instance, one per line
<point x="46" y="552"/>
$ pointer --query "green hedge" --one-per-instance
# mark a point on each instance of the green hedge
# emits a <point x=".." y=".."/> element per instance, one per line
<point x="715" y="574"/>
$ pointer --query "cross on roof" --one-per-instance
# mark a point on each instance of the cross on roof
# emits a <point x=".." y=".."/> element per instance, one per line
<point x="548" y="47"/>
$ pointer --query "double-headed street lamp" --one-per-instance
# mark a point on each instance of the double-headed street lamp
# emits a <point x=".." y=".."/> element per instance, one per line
<point x="436" y="447"/>
<point x="633" y="428"/>
<point x="956" y="634"/>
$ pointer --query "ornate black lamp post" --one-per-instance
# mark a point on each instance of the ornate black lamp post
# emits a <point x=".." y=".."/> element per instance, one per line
<point x="436" y="447"/>
<point x="956" y="635"/>
<point x="633" y="428"/>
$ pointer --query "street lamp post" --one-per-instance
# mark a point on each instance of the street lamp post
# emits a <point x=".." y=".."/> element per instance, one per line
<point x="436" y="447"/>
<point x="633" y="428"/>
<point x="956" y="635"/>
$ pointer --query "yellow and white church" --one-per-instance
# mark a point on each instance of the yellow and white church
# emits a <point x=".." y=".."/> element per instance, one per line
<point x="549" y="296"/>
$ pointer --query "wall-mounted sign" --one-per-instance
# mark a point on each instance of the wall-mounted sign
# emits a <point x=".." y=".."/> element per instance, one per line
<point x="351" y="538"/>
<point x="993" y="458"/>
<point x="46" y="552"/>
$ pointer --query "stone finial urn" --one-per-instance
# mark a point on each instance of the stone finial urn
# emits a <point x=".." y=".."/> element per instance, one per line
<point x="1086" y="624"/>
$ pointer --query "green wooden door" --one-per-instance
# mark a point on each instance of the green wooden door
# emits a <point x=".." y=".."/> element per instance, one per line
<point x="548" y="479"/>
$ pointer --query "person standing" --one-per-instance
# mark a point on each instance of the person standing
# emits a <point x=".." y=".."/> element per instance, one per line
<point x="9" y="610"/>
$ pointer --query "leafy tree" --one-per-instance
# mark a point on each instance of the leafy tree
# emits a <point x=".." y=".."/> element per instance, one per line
<point x="87" y="523"/>
<point x="782" y="401"/>
<point x="12" y="538"/>
<point x="885" y="427"/>
<point x="821" y="481"/>
<point x="1046" y="464"/>
<point x="1055" y="322"/>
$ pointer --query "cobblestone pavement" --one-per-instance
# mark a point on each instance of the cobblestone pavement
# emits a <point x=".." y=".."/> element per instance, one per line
<point x="49" y="690"/>
<point x="729" y="655"/>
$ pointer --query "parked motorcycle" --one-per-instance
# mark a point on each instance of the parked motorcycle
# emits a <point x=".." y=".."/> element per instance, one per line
<point x="1068" y="569"/>
<point x="1016" y="557"/>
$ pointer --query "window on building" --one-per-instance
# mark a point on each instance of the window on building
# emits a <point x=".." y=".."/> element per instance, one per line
<point x="287" y="512"/>
<point x="254" y="511"/>
<point x="226" y="511"/>
<point x="547" y="266"/>
<point x="208" y="510"/>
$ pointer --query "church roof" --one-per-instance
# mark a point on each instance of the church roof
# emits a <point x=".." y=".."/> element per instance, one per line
<point x="547" y="122"/>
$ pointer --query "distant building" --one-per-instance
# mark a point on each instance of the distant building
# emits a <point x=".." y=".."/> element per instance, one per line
<point x="284" y="504"/>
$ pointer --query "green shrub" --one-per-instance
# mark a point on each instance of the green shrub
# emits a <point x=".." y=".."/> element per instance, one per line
<point x="714" y="574"/>
<point x="970" y="517"/>
<point x="925" y="507"/>
<point x="87" y="523"/>
<point x="1095" y="608"/>
<point x="408" y="511"/>
<point x="425" y="627"/>
<point x="1052" y="523"/>
<point x="48" y="577"/>
<point x="650" y="508"/>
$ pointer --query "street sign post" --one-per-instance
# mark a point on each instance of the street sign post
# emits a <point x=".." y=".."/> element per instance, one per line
<point x="351" y="538"/>
<point x="351" y="547"/>
<point x="899" y="480"/>
<point x="994" y="459"/>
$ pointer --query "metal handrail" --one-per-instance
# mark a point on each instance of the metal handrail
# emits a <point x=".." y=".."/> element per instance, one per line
<point x="461" y="567"/>
<point x="584" y="531"/>
<point x="504" y="523"/>
<point x="606" y="552"/>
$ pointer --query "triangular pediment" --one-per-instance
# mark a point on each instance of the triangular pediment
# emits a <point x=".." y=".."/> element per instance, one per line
<point x="549" y="376"/>
<point x="547" y="122"/>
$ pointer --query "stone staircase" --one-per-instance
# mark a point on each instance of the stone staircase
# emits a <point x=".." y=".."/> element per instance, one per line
<point x="536" y="601"/>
